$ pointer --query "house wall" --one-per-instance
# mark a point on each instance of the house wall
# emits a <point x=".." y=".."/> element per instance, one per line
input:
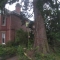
<point x="0" y="36"/>
<point x="16" y="24"/>
<point x="8" y="33"/>
<point x="0" y="21"/>
<point x="13" y="23"/>
<point x="6" y="28"/>
<point x="0" y="28"/>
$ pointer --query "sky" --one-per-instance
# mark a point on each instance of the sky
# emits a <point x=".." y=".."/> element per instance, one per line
<point x="12" y="7"/>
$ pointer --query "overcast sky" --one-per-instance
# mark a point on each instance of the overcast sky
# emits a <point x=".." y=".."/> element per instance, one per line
<point x="12" y="7"/>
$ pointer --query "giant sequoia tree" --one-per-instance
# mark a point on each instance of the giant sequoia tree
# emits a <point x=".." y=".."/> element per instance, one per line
<point x="40" y="31"/>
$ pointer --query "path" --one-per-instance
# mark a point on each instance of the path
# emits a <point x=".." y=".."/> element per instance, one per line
<point x="13" y="58"/>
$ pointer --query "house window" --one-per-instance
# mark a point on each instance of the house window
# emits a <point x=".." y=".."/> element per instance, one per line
<point x="0" y="11"/>
<point x="3" y="38"/>
<point x="4" y="21"/>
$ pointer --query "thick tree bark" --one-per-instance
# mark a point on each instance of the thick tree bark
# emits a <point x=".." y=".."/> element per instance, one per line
<point x="40" y="32"/>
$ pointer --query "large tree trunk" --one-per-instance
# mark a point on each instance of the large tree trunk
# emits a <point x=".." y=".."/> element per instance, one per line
<point x="40" y="33"/>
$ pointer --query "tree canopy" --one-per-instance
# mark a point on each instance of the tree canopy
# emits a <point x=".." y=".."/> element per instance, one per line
<point x="3" y="2"/>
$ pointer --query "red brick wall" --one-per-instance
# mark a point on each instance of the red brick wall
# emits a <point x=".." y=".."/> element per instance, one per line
<point x="1" y="26"/>
<point x="0" y="21"/>
<point x="5" y="28"/>
<point x="13" y="23"/>
<point x="9" y="22"/>
<point x="0" y="29"/>
<point x="0" y="37"/>
<point x="13" y="34"/>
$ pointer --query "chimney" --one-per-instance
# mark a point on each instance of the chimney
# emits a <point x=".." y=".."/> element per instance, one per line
<point x="18" y="8"/>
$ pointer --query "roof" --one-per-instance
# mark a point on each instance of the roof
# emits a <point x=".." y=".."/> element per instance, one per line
<point x="8" y="12"/>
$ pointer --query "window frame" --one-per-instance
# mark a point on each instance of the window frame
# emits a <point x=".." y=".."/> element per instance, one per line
<point x="3" y="35"/>
<point x="4" y="21"/>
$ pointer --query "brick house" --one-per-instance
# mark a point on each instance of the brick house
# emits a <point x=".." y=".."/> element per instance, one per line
<point x="9" y="23"/>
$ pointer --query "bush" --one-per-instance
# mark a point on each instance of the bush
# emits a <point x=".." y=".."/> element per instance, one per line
<point x="7" y="51"/>
<point x="20" y="53"/>
<point x="10" y="43"/>
<point x="2" y="52"/>
<point x="20" y="50"/>
<point x="10" y="51"/>
<point x="21" y="38"/>
<point x="39" y="56"/>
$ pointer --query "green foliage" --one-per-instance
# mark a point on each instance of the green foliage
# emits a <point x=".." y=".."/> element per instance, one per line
<point x="7" y="51"/>
<point x="2" y="52"/>
<point x="57" y="36"/>
<point x="54" y="39"/>
<point x="39" y="56"/>
<point x="10" y="43"/>
<point x="10" y="51"/>
<point x="2" y="3"/>
<point x="30" y="44"/>
<point x="20" y="51"/>
<point x="21" y="37"/>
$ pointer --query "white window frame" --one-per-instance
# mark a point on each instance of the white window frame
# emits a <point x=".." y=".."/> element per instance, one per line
<point x="3" y="37"/>
<point x="0" y="11"/>
<point x="4" y="21"/>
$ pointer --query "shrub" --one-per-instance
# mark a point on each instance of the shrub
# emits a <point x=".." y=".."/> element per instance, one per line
<point x="10" y="51"/>
<point x="7" y="51"/>
<point x="20" y="53"/>
<point x="21" y="38"/>
<point x="41" y="56"/>
<point x="10" y="43"/>
<point x="2" y="52"/>
<point x="20" y="50"/>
